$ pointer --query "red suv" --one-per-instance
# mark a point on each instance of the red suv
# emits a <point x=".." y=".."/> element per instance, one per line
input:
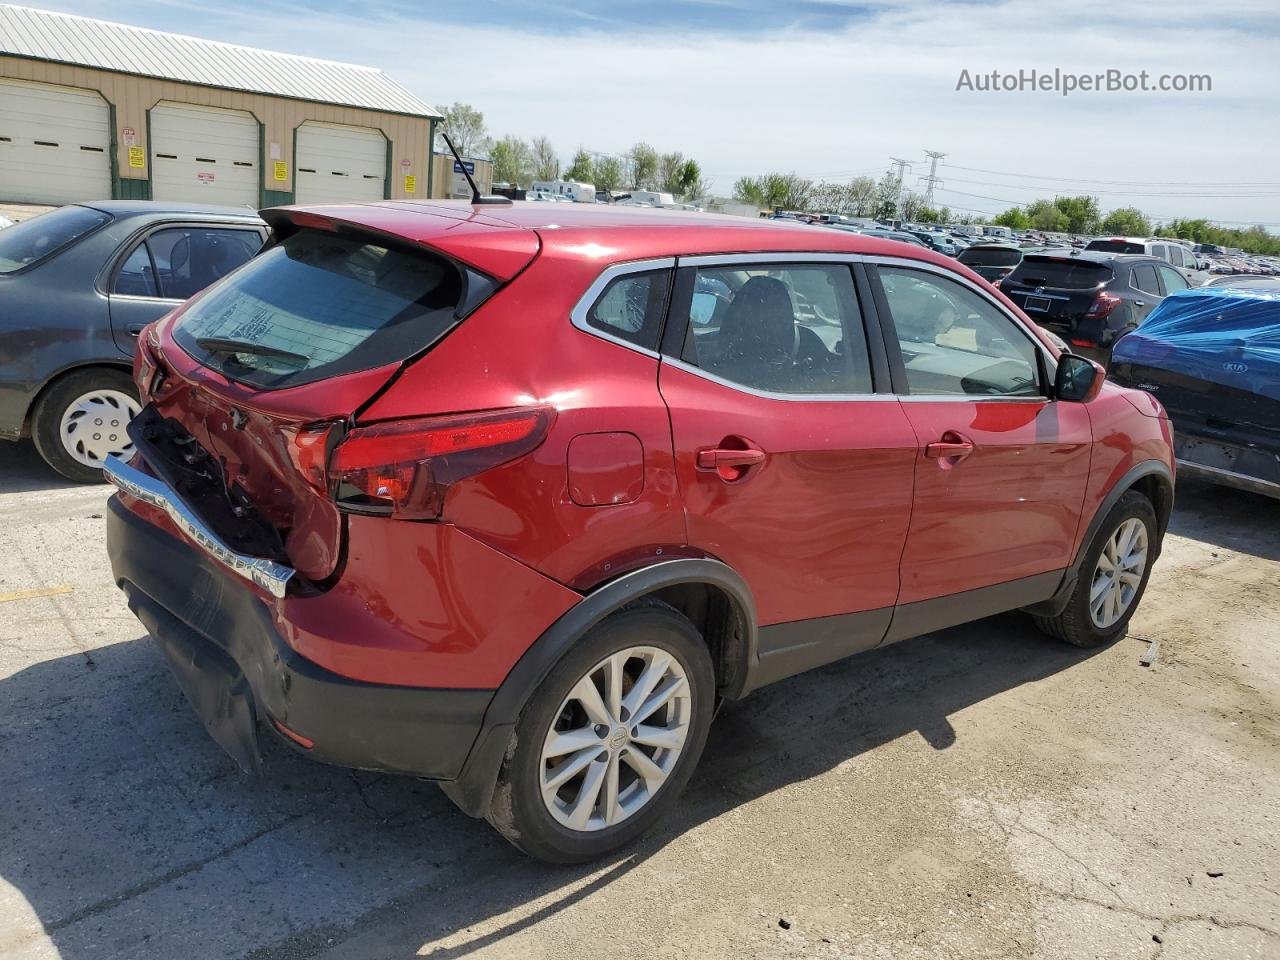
<point x="510" y="497"/>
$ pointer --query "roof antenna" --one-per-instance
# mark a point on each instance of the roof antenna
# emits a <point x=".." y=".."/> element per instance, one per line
<point x="476" y="196"/>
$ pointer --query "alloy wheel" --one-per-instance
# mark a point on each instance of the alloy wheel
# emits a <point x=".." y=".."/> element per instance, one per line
<point x="93" y="426"/>
<point x="616" y="738"/>
<point x="1118" y="575"/>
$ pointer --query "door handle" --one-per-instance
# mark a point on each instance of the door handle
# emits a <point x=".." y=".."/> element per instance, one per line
<point x="950" y="450"/>
<point x="135" y="329"/>
<point x="1139" y="303"/>
<point x="716" y="457"/>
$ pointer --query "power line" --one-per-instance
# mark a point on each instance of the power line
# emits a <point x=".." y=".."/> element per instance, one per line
<point x="1119" y="183"/>
<point x="1157" y="216"/>
<point x="1119" y="193"/>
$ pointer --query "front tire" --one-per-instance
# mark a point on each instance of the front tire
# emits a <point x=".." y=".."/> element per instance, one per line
<point x="606" y="744"/>
<point x="1112" y="578"/>
<point x="81" y="419"/>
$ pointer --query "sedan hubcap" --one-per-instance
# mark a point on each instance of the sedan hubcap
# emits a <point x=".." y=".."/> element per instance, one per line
<point x="1119" y="573"/>
<point x="616" y="738"/>
<point x="93" y="426"/>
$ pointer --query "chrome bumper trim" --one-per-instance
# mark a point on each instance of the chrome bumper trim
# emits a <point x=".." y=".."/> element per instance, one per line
<point x="269" y="575"/>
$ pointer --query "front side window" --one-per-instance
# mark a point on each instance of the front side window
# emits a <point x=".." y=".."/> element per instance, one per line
<point x="1173" y="280"/>
<point x="954" y="342"/>
<point x="779" y="328"/>
<point x="631" y="308"/>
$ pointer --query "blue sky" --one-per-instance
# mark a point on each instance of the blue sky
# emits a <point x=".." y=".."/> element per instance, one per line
<point x="828" y="88"/>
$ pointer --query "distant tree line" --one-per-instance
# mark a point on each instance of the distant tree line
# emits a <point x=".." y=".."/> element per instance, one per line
<point x="520" y="162"/>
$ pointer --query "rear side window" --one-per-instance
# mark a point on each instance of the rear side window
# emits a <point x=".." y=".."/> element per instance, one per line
<point x="990" y="257"/>
<point x="26" y="244"/>
<point x="1060" y="273"/>
<point x="784" y="328"/>
<point x="1144" y="278"/>
<point x="631" y="308"/>
<point x="320" y="305"/>
<point x="178" y="262"/>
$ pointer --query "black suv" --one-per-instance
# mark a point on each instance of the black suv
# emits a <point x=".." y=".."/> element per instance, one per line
<point x="1090" y="299"/>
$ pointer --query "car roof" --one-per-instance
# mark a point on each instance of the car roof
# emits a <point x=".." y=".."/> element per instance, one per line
<point x="1096" y="256"/>
<point x="160" y="208"/>
<point x="607" y="232"/>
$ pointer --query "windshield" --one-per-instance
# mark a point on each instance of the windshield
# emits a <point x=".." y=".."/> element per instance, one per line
<point x="320" y="305"/>
<point x="1116" y="246"/>
<point x="1060" y="272"/>
<point x="27" y="243"/>
<point x="990" y="257"/>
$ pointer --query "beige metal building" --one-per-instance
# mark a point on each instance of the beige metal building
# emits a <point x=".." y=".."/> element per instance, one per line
<point x="90" y="109"/>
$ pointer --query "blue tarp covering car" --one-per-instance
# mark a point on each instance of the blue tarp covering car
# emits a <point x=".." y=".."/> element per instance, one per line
<point x="1212" y="357"/>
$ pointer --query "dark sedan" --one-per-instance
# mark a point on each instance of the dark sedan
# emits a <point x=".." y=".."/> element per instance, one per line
<point x="77" y="285"/>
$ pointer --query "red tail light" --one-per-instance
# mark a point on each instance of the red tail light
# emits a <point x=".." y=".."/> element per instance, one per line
<point x="1103" y="304"/>
<point x="402" y="468"/>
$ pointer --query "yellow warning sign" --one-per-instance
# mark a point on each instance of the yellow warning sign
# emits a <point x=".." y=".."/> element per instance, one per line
<point x="280" y="171"/>
<point x="410" y="183"/>
<point x="137" y="157"/>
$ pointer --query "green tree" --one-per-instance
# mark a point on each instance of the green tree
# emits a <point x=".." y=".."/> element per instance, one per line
<point x="750" y="190"/>
<point x="670" y="167"/>
<point x="1014" y="218"/>
<point x="1045" y="215"/>
<point x="642" y="163"/>
<point x="690" y="181"/>
<point x="1081" y="213"/>
<point x="1127" y="222"/>
<point x="546" y="164"/>
<point x="512" y="161"/>
<point x="607" y="173"/>
<point x="886" y="198"/>
<point x="465" y="126"/>
<point x="582" y="169"/>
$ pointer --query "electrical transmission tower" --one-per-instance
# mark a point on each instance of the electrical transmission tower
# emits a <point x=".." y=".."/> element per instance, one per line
<point x="932" y="179"/>
<point x="902" y="166"/>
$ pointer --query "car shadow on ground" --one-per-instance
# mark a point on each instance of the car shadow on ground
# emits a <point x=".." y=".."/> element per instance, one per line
<point x="1223" y="516"/>
<point x="127" y="832"/>
<point x="23" y="471"/>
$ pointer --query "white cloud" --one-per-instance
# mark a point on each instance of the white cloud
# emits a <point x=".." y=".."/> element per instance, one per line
<point x="824" y="103"/>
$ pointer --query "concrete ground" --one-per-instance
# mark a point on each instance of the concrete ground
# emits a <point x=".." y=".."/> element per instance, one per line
<point x="17" y="212"/>
<point x="979" y="793"/>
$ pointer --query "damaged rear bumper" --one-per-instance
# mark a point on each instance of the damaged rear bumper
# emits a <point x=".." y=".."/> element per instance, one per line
<point x="238" y="673"/>
<point x="1243" y="466"/>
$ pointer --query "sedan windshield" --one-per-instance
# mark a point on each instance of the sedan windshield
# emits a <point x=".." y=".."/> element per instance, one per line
<point x="26" y="244"/>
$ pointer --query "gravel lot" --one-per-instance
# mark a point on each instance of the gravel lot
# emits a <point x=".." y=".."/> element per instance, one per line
<point x="982" y="792"/>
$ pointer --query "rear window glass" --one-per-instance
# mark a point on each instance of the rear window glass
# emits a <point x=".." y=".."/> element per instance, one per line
<point x="1063" y="274"/>
<point x="27" y="243"/>
<point x="989" y="257"/>
<point x="319" y="305"/>
<point x="1116" y="246"/>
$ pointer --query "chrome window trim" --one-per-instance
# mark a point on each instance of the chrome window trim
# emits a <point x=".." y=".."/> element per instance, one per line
<point x="578" y="315"/>
<point x="768" y="395"/>
<point x="788" y="256"/>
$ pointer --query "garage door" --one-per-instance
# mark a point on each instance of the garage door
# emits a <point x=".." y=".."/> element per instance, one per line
<point x="204" y="155"/>
<point x="338" y="164"/>
<point x="55" y="144"/>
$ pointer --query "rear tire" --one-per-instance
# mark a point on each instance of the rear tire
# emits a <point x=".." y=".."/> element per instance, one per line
<point x="1112" y="579"/>
<point x="81" y="418"/>
<point x="583" y="776"/>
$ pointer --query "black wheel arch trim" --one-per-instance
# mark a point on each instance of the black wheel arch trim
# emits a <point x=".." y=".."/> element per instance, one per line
<point x="473" y="788"/>
<point x="1139" y="471"/>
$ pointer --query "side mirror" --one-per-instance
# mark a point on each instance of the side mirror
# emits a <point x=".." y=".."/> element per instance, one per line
<point x="1079" y="379"/>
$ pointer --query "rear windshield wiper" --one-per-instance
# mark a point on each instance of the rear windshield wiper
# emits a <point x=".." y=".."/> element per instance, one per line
<point x="226" y="345"/>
